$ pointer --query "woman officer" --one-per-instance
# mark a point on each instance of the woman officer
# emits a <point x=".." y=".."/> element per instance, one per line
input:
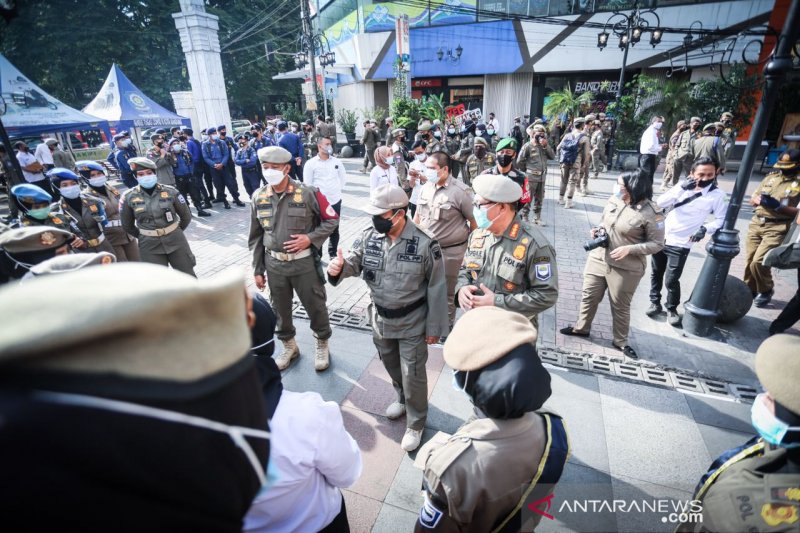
<point x="125" y="247"/>
<point x="86" y="211"/>
<point x="634" y="226"/>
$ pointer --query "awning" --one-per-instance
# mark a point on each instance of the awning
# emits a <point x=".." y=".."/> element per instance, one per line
<point x="303" y="73"/>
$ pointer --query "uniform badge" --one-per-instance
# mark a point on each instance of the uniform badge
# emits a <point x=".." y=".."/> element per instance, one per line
<point x="106" y="260"/>
<point x="519" y="252"/>
<point x="775" y="515"/>
<point x="93" y="208"/>
<point x="514" y="230"/>
<point x="57" y="220"/>
<point x="429" y="514"/>
<point x="473" y="265"/>
<point x="525" y="240"/>
<point x="181" y="199"/>
<point x="509" y="286"/>
<point x="164" y="194"/>
<point x="298" y="198"/>
<point x="47" y="238"/>
<point x="543" y="271"/>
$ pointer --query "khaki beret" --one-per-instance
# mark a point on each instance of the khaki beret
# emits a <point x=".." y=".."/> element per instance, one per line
<point x="579" y="120"/>
<point x="590" y="117"/>
<point x="398" y="131"/>
<point x="727" y="114"/>
<point x="497" y="188"/>
<point x="129" y="328"/>
<point x="386" y="197"/>
<point x="538" y="121"/>
<point x="139" y="163"/>
<point x="597" y="123"/>
<point x="695" y="119"/>
<point x="710" y="126"/>
<point x="602" y="116"/>
<point x="481" y="141"/>
<point x="508" y="142"/>
<point x="274" y="154"/>
<point x="425" y="125"/>
<point x="51" y="142"/>
<point x="34" y="239"/>
<point x="61" y="264"/>
<point x="484" y="335"/>
<point x="778" y="369"/>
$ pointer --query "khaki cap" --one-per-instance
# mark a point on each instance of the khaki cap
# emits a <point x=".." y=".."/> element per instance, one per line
<point x="710" y="126"/>
<point x="579" y="120"/>
<point x="386" y="197"/>
<point x="398" y="131"/>
<point x="129" y="328"/>
<point x="139" y="163"/>
<point x="727" y="114"/>
<point x="34" y="239"/>
<point x="62" y="264"/>
<point x="788" y="159"/>
<point x="778" y="369"/>
<point x="484" y="335"/>
<point x="497" y="188"/>
<point x="51" y="141"/>
<point x="425" y="125"/>
<point x="274" y="154"/>
<point x="590" y="117"/>
<point x="481" y="141"/>
<point x="695" y="119"/>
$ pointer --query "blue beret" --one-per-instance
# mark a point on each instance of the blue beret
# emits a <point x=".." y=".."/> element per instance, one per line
<point x="211" y="130"/>
<point x="31" y="193"/>
<point x="222" y="127"/>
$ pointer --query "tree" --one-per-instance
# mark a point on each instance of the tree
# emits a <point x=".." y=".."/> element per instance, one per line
<point x="712" y="97"/>
<point x="671" y="99"/>
<point x="564" y="102"/>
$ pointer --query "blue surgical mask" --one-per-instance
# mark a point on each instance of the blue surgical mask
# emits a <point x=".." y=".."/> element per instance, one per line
<point x="768" y="425"/>
<point x="39" y="213"/>
<point x="71" y="191"/>
<point x="148" y="182"/>
<point x="481" y="217"/>
<point x="618" y="191"/>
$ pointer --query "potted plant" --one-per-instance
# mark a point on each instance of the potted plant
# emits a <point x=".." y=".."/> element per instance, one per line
<point x="347" y="119"/>
<point x="405" y="112"/>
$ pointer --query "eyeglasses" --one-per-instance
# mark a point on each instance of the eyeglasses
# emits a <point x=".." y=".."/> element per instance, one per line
<point x="485" y="206"/>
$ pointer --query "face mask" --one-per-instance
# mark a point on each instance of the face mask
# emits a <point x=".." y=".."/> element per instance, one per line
<point x="703" y="184"/>
<point x="329" y="150"/>
<point x="222" y="133"/>
<point x="294" y="130"/>
<point x="177" y="148"/>
<point x="272" y="176"/>
<point x="618" y="191"/>
<point x="451" y="131"/>
<point x="490" y="132"/>
<point x="421" y="157"/>
<point x="431" y="174"/>
<point x="382" y="225"/>
<point x="148" y="182"/>
<point x="768" y="425"/>
<point x="658" y="125"/>
<point x="390" y="161"/>
<point x="204" y="137"/>
<point x="479" y="133"/>
<point x="98" y="182"/>
<point x="242" y="145"/>
<point x="789" y="171"/>
<point x="126" y="143"/>
<point x="437" y="134"/>
<point x="480" y="152"/>
<point x="504" y="159"/>
<point x="215" y="137"/>
<point x="482" y="216"/>
<point x="71" y="191"/>
<point x="40" y="213"/>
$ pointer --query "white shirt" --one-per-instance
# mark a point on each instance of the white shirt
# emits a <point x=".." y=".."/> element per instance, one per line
<point x="25" y="159"/>
<point x="43" y="154"/>
<point x="327" y="175"/>
<point x="650" y="143"/>
<point x="312" y="454"/>
<point x="495" y="125"/>
<point x="420" y="167"/>
<point x="379" y="176"/>
<point x="683" y="222"/>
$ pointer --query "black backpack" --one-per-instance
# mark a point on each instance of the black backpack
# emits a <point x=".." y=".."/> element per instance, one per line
<point x="569" y="149"/>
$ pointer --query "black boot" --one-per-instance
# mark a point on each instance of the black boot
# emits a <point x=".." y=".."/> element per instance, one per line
<point x="219" y="201"/>
<point x="202" y="213"/>
<point x="206" y="205"/>
<point x="226" y="204"/>
<point x="654" y="309"/>
<point x="238" y="203"/>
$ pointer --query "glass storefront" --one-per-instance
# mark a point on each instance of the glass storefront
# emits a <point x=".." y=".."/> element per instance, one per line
<point x="467" y="90"/>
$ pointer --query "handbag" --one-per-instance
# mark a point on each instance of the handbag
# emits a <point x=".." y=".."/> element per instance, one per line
<point x="785" y="256"/>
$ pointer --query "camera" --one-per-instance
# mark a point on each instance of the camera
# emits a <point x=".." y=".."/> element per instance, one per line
<point x="601" y="239"/>
<point x="538" y="138"/>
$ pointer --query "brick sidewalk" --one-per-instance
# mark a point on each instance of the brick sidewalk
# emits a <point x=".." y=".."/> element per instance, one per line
<point x="220" y="242"/>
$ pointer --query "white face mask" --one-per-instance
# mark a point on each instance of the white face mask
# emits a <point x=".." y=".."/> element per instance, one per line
<point x="204" y="137"/>
<point x="176" y="148"/>
<point x="658" y="125"/>
<point x="421" y="157"/>
<point x="215" y="136"/>
<point x="431" y="174"/>
<point x="98" y="181"/>
<point x="70" y="191"/>
<point x="126" y="142"/>
<point x="272" y="175"/>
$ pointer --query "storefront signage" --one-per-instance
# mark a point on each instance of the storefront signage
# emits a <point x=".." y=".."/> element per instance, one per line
<point x="419" y="84"/>
<point x="604" y="86"/>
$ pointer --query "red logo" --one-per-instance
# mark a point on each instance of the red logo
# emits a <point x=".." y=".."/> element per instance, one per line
<point x="535" y="506"/>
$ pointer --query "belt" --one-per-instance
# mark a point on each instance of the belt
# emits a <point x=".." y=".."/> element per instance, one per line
<point x="160" y="232"/>
<point x="114" y="224"/>
<point x="765" y="220"/>
<point x="401" y="312"/>
<point x="95" y="242"/>
<point x="280" y="256"/>
<point x="454" y="245"/>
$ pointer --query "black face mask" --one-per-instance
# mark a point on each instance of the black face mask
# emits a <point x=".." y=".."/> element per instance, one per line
<point x="504" y="160"/>
<point x="705" y="183"/>
<point x="382" y="225"/>
<point x="480" y="152"/>
<point x="789" y="171"/>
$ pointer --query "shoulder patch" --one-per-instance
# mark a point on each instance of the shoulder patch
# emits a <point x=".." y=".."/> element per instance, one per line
<point x="181" y="199"/>
<point x="429" y="514"/>
<point x="543" y="271"/>
<point x="436" y="250"/>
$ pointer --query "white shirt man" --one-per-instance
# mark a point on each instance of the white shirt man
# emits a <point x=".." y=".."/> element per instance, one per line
<point x="327" y="174"/>
<point x="43" y="154"/>
<point x="312" y="455"/>
<point x="25" y="159"/>
<point x="493" y="124"/>
<point x="689" y="203"/>
<point x="650" y="143"/>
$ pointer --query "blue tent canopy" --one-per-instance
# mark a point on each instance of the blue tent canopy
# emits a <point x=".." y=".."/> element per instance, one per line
<point x="124" y="106"/>
<point x="29" y="111"/>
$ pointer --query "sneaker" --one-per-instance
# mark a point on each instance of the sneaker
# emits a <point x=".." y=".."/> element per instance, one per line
<point x="582" y="192"/>
<point x="560" y="200"/>
<point x="290" y="353"/>
<point x="654" y="309"/>
<point x="763" y="298"/>
<point x="568" y="204"/>
<point x="673" y="318"/>
<point x="411" y="440"/>
<point x="395" y="411"/>
<point x="322" y="356"/>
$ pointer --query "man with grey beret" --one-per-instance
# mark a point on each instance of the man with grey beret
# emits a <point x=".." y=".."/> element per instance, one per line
<point x="472" y="480"/>
<point x="289" y="224"/>
<point x="509" y="263"/>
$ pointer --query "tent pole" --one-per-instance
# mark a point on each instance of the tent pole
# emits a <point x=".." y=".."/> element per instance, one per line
<point x="12" y="206"/>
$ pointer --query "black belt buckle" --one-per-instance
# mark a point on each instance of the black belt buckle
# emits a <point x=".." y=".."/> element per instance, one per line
<point x="385" y="312"/>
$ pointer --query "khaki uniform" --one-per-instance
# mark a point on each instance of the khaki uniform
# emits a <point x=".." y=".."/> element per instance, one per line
<point x="408" y="290"/>
<point x="126" y="248"/>
<point x="493" y="140"/>
<point x="768" y="228"/>
<point x="684" y="155"/>
<point x="452" y="144"/>
<point x="370" y="140"/>
<point x="587" y="162"/>
<point x="523" y="207"/>
<point x="164" y="164"/>
<point x="435" y="145"/>
<point x="89" y="221"/>
<point x="474" y="480"/>
<point x="728" y="141"/>
<point x="158" y="219"/>
<point x="518" y="266"/>
<point x="63" y="159"/>
<point x="274" y="218"/>
<point x="641" y="227"/>
<point x="446" y="211"/>
<point x="598" y="150"/>
<point x="709" y="146"/>
<point x="465" y="148"/>
<point x="668" y="180"/>
<point x="475" y="167"/>
<point x="532" y="160"/>
<point x="399" y="153"/>
<point x="571" y="174"/>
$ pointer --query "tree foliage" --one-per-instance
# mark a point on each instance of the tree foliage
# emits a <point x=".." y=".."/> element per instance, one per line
<point x="565" y="102"/>
<point x="67" y="47"/>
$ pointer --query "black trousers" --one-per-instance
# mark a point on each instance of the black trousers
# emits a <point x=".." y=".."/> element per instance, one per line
<point x="790" y="313"/>
<point x="251" y="177"/>
<point x="668" y="263"/>
<point x="333" y="241"/>
<point x="188" y="188"/>
<point x="208" y="180"/>
<point x="647" y="162"/>
<point x="339" y="524"/>
<point x="222" y="179"/>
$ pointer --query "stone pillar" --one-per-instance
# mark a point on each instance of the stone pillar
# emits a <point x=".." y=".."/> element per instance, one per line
<point x="184" y="106"/>
<point x="198" y="33"/>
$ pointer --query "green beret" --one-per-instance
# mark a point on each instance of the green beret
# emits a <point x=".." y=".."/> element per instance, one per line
<point x="497" y="188"/>
<point x="508" y="142"/>
<point x="34" y="239"/>
<point x="139" y="163"/>
<point x="274" y="154"/>
<point x="778" y="369"/>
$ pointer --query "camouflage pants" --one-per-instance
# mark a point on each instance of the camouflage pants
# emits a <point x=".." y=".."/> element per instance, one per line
<point x="667" y="180"/>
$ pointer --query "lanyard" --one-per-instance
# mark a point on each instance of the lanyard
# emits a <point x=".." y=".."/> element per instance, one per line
<point x="236" y="433"/>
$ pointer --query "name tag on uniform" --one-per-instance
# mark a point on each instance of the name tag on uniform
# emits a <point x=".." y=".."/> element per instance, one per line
<point x="371" y="262"/>
<point x="169" y="216"/>
<point x="409" y="258"/>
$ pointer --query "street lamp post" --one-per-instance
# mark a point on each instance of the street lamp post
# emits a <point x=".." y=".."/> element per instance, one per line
<point x="702" y="307"/>
<point x="315" y="45"/>
<point x="629" y="29"/>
